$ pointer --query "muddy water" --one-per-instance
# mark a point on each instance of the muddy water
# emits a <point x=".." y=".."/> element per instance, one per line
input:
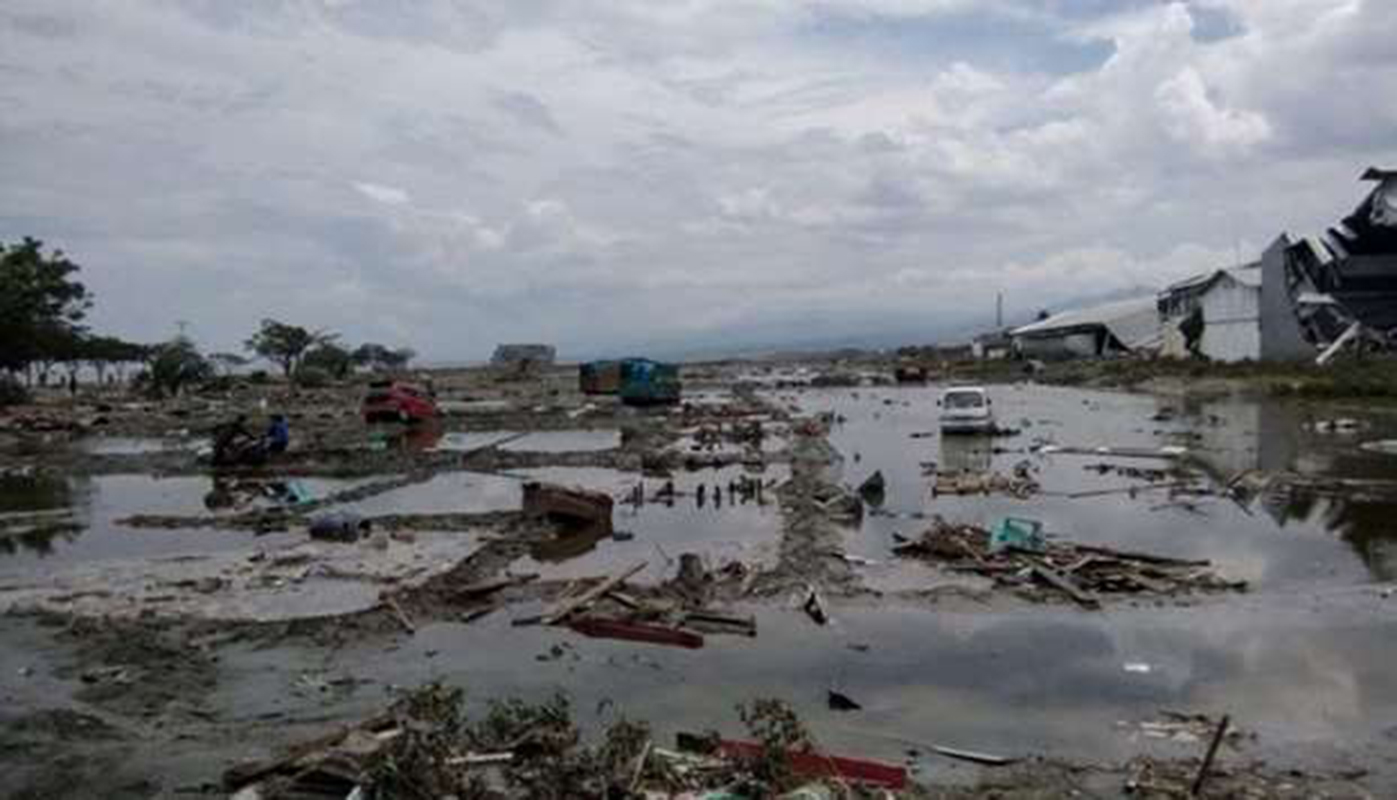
<point x="1304" y="661"/>
<point x="657" y="532"/>
<point x="1311" y="685"/>
<point x="719" y="529"/>
<point x="1274" y="545"/>
<point x="87" y="511"/>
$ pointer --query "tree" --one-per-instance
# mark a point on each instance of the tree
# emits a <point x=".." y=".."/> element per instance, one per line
<point x="285" y="345"/>
<point x="400" y="358"/>
<point x="330" y="358"/>
<point x="377" y="356"/>
<point x="176" y="365"/>
<point x="41" y="304"/>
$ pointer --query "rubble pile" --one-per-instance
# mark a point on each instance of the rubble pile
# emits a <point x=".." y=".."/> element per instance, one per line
<point x="1045" y="570"/>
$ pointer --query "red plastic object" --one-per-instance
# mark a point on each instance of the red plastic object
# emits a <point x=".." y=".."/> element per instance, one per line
<point x="636" y="632"/>
<point x="817" y="765"/>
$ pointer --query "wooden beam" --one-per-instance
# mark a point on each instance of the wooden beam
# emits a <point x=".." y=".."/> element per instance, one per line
<point x="590" y="596"/>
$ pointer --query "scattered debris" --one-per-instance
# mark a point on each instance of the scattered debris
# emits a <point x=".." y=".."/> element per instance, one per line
<point x="569" y="507"/>
<point x="873" y="489"/>
<point x="1079" y="572"/>
<point x="340" y="526"/>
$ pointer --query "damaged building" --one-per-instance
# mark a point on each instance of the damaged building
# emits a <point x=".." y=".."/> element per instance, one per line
<point x="1235" y="314"/>
<point x="1302" y="296"/>
<point x="1112" y="329"/>
<point x="1343" y="285"/>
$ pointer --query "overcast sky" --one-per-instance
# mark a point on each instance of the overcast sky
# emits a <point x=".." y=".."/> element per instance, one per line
<point x="636" y="174"/>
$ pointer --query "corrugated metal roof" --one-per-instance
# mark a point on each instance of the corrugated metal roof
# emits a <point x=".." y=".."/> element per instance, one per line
<point x="1249" y="275"/>
<point x="1134" y="322"/>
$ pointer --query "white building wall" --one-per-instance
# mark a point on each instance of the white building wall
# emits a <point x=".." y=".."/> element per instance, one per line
<point x="1231" y="321"/>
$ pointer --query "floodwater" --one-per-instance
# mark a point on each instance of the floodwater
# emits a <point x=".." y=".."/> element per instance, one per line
<point x="1310" y="681"/>
<point x="1303" y="661"/>
<point x="656" y="531"/>
<point x="579" y="441"/>
<point x="1273" y="543"/>
<point x="85" y="514"/>
<point x="718" y="528"/>
<point x="433" y="438"/>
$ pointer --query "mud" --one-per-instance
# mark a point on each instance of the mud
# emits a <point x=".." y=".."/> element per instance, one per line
<point x="162" y="622"/>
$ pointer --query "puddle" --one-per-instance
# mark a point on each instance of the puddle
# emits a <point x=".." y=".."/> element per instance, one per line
<point x="464" y="441"/>
<point x="446" y="493"/>
<point x="577" y="441"/>
<point x="89" y="531"/>
<point x="1273" y="544"/>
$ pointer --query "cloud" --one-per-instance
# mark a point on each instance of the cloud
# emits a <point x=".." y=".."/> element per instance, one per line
<point x="447" y="173"/>
<point x="528" y="110"/>
<point x="387" y="195"/>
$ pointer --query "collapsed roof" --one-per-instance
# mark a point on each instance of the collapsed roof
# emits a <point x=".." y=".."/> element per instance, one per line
<point x="1133" y="323"/>
<point x="1352" y="270"/>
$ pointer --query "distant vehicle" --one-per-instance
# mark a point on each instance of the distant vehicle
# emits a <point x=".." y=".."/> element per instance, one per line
<point x="649" y="383"/>
<point x="395" y="401"/>
<point x="966" y="409"/>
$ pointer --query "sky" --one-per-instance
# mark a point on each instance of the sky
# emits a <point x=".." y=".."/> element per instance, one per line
<point x="641" y="176"/>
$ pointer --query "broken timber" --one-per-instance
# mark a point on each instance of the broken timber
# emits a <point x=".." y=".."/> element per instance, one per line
<point x="1065" y="585"/>
<point x="591" y="595"/>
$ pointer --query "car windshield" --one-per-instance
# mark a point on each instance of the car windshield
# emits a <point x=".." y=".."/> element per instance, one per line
<point x="964" y="400"/>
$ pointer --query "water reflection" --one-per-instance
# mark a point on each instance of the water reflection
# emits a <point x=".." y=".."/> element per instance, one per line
<point x="965" y="454"/>
<point x="1276" y="538"/>
<point x="50" y="522"/>
<point x="37" y="509"/>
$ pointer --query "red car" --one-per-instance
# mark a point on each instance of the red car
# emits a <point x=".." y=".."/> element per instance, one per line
<point x="394" y="401"/>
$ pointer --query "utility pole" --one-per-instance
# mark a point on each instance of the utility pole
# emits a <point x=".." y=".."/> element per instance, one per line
<point x="999" y="312"/>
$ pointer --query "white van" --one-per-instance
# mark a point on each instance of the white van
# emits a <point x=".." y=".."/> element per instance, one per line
<point x="966" y="409"/>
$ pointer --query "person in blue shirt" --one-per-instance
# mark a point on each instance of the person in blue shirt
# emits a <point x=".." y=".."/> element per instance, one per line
<point x="278" y="434"/>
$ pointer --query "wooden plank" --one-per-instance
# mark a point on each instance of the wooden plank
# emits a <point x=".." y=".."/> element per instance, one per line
<point x="1148" y="558"/>
<point x="1207" y="764"/>
<point x="973" y="756"/>
<point x="590" y="596"/>
<point x="495" y="584"/>
<point x="1063" y="584"/>
<point x="399" y="614"/>
<point x="745" y="625"/>
<point x="625" y="600"/>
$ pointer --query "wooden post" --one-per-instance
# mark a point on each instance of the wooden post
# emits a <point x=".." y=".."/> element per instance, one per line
<point x="1208" y="759"/>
